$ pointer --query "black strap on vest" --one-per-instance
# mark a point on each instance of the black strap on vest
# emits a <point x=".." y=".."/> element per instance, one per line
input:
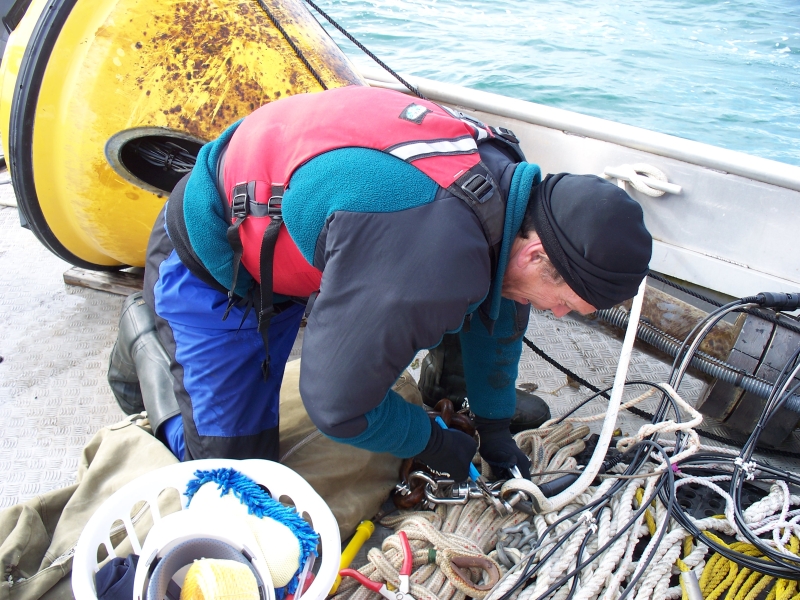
<point x="478" y="188"/>
<point x="266" y="260"/>
<point x="240" y="205"/>
<point x="482" y="194"/>
<point x="244" y="205"/>
<point x="506" y="138"/>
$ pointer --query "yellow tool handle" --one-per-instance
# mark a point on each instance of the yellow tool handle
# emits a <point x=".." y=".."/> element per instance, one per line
<point x="362" y="534"/>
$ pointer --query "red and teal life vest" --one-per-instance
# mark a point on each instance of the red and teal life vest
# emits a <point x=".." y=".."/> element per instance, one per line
<point x="276" y="139"/>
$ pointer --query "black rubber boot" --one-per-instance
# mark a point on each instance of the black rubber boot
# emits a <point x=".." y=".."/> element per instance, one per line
<point x="531" y="412"/>
<point x="442" y="376"/>
<point x="138" y="370"/>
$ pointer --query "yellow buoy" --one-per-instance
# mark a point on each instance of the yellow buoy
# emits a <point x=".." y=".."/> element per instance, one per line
<point x="103" y="104"/>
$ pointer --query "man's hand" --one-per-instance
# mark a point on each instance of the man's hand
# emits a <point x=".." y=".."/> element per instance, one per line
<point x="499" y="449"/>
<point x="449" y="451"/>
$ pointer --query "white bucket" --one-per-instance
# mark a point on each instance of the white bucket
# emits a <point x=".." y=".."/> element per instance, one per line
<point x="280" y="480"/>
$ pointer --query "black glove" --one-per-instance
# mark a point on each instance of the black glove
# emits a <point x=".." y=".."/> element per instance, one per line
<point x="499" y="449"/>
<point x="449" y="451"/>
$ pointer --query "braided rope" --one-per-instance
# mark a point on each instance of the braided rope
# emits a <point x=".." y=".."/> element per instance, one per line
<point x="475" y="529"/>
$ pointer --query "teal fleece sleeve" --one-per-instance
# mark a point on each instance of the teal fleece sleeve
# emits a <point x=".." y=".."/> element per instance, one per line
<point x="491" y="361"/>
<point x="394" y="426"/>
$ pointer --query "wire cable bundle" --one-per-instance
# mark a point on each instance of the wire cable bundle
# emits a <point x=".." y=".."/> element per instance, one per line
<point x="169" y="156"/>
<point x="628" y="534"/>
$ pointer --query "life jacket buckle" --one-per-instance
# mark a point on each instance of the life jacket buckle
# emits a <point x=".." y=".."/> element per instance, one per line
<point x="478" y="188"/>
<point x="275" y="202"/>
<point x="240" y="202"/>
<point x="506" y="134"/>
<point x="275" y="206"/>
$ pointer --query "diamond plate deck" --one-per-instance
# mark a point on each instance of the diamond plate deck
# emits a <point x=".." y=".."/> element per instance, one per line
<point x="55" y="345"/>
<point x="56" y="340"/>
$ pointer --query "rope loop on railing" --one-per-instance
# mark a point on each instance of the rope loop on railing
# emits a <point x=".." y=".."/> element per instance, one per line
<point x="644" y="178"/>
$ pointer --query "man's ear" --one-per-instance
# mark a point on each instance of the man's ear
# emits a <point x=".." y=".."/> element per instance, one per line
<point x="532" y="252"/>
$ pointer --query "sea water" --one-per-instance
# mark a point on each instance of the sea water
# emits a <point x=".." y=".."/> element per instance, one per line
<point x="723" y="72"/>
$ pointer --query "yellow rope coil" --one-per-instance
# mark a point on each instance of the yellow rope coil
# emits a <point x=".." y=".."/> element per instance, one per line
<point x="722" y="575"/>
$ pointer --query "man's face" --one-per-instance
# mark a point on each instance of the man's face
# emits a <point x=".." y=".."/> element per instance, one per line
<point x="528" y="280"/>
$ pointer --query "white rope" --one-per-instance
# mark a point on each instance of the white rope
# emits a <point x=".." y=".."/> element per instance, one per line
<point x="540" y="502"/>
<point x="644" y="178"/>
<point x="759" y="512"/>
<point x="475" y="529"/>
<point x="669" y="426"/>
<point x="599" y="416"/>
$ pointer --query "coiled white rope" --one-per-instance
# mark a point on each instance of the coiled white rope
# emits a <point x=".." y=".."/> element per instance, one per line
<point x="472" y="529"/>
<point x="475" y="528"/>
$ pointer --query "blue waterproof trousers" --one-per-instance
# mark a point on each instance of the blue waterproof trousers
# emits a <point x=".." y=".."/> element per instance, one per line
<point x="228" y="409"/>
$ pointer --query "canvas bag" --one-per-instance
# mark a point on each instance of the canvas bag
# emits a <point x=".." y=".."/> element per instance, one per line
<point x="354" y="482"/>
<point x="37" y="537"/>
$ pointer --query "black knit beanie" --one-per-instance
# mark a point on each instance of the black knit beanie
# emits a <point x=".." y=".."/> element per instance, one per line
<point x="594" y="234"/>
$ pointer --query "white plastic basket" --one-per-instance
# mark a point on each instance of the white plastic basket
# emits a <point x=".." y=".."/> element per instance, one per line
<point x="280" y="480"/>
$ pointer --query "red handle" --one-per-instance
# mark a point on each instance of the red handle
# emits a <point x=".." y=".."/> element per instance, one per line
<point x="375" y="586"/>
<point x="408" y="557"/>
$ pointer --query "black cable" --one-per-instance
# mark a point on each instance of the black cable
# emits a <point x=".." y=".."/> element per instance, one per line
<point x="604" y="391"/>
<point x="364" y="49"/>
<point x="690" y="338"/>
<point x="167" y="155"/>
<point x="755" y="564"/>
<point x="597" y="507"/>
<point x="761" y="565"/>
<point x="715" y="457"/>
<point x="649" y="416"/>
<point x="691" y="344"/>
<point x="779" y="565"/>
<point x="670" y="477"/>
<point x="789" y="393"/>
<point x="739" y="474"/>
<point x="782" y="391"/>
<point x="773" y="403"/>
<point x="643" y="506"/>
<point x="294" y="47"/>
<point x="594" y="506"/>
<point x="574" y="587"/>
<point x="774" y="318"/>
<point x="529" y="572"/>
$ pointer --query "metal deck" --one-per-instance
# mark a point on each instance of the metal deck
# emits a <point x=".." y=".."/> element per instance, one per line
<point x="56" y="341"/>
<point x="55" y="344"/>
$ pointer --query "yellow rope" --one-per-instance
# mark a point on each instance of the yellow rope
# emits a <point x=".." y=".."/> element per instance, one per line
<point x="771" y="595"/>
<point x="722" y="575"/>
<point x="683" y="567"/>
<point x="648" y="514"/>
<point x="759" y="587"/>
<point x="737" y="588"/>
